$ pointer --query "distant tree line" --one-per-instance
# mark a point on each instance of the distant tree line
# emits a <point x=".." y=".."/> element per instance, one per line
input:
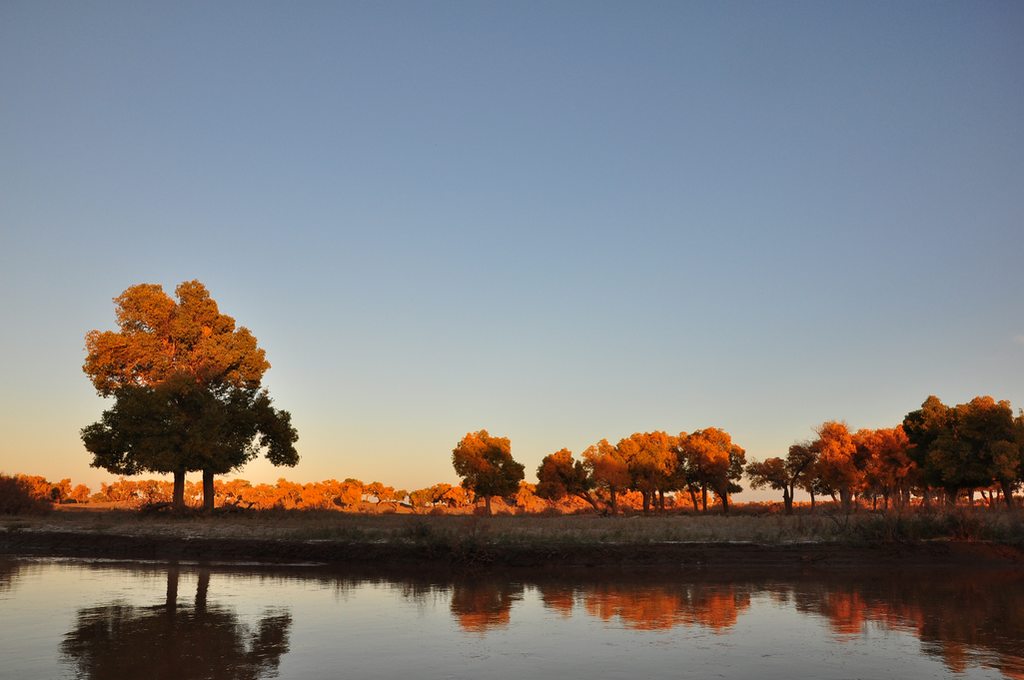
<point x="938" y="452"/>
<point x="655" y="465"/>
<point x="187" y="397"/>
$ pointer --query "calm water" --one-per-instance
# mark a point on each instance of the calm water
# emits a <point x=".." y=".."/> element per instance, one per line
<point x="74" y="619"/>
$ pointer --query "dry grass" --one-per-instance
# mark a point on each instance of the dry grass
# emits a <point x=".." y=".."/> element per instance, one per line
<point x="567" y="530"/>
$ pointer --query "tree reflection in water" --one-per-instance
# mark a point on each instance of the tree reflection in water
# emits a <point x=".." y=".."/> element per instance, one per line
<point x="716" y="607"/>
<point x="8" y="574"/>
<point x="479" y="606"/>
<point x="118" y="640"/>
<point x="961" y="617"/>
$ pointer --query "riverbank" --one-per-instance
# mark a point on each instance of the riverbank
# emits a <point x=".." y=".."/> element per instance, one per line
<point x="578" y="541"/>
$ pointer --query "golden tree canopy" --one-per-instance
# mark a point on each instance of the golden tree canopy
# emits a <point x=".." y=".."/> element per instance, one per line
<point x="159" y="337"/>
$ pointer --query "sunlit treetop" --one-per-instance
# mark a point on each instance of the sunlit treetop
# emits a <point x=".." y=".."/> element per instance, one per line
<point x="159" y="337"/>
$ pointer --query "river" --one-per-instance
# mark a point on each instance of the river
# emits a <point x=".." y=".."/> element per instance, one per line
<point x="106" y="620"/>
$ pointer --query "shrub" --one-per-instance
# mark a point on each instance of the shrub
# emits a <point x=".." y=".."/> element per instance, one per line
<point x="16" y="498"/>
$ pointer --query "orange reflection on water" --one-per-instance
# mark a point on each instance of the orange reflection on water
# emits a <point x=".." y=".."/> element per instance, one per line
<point x="479" y="606"/>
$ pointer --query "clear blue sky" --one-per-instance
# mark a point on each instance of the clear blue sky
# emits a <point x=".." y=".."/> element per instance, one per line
<point x="557" y="221"/>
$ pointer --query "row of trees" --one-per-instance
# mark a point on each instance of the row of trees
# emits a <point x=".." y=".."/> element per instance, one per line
<point x="952" y="451"/>
<point x="938" y="449"/>
<point x="186" y="387"/>
<point x="653" y="464"/>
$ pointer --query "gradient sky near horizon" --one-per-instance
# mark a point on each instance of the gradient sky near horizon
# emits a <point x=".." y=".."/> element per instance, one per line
<point x="556" y="221"/>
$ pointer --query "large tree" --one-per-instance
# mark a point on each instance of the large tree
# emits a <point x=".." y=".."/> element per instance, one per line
<point x="186" y="383"/>
<point x="179" y="424"/>
<point x="486" y="466"/>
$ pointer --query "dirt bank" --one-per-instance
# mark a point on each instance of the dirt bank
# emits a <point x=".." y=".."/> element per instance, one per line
<point x="405" y="552"/>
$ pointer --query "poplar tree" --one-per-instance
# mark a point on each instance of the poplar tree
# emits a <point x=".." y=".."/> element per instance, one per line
<point x="186" y="385"/>
<point x="486" y="466"/>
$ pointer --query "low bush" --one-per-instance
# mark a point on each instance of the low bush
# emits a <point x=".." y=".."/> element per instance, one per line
<point x="16" y="498"/>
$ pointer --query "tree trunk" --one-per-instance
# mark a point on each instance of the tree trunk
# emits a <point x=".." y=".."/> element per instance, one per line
<point x="614" y="502"/>
<point x="208" y="492"/>
<point x="590" y="499"/>
<point x="646" y="495"/>
<point x="179" y="490"/>
<point x="661" y="501"/>
<point x="845" y="499"/>
<point x="693" y="499"/>
<point x="487" y="505"/>
<point x="704" y="498"/>
<point x="812" y="500"/>
<point x="1007" y="493"/>
<point x="787" y="500"/>
<point x="725" y="503"/>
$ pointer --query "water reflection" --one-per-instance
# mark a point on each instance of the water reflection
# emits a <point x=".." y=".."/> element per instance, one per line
<point x="962" y="618"/>
<point x="480" y="605"/>
<point x="170" y="640"/>
<point x="194" y="629"/>
<point x="8" y="574"/>
<point x="713" y="606"/>
<point x="652" y="607"/>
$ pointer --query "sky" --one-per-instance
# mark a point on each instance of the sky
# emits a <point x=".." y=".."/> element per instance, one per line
<point x="559" y="222"/>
